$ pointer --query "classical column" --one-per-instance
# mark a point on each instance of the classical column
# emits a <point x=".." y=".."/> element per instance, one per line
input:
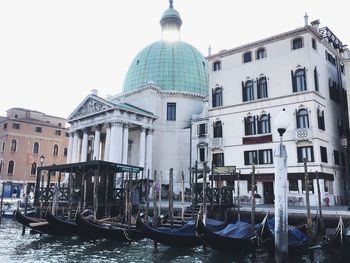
<point x="149" y="150"/>
<point x="142" y="147"/>
<point x="115" y="152"/>
<point x="107" y="142"/>
<point x="125" y="143"/>
<point x="70" y="147"/>
<point x="112" y="143"/>
<point x="119" y="142"/>
<point x="74" y="157"/>
<point x="84" y="146"/>
<point x="97" y="140"/>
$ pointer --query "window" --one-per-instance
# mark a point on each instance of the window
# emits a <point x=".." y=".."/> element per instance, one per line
<point x="265" y="156"/>
<point x="323" y="151"/>
<point x="202" y="129"/>
<point x="58" y="132"/>
<point x="33" y="169"/>
<point x="11" y="167"/>
<point x="217" y="97"/>
<point x="36" y="147"/>
<point x="216" y="65"/>
<point x="247" y="57"/>
<point x="248" y="90"/>
<point x="320" y="120"/>
<point x="13" y="147"/>
<point x="293" y="185"/>
<point x="316" y="79"/>
<point x="311" y="186"/>
<point x="328" y="186"/>
<point x="299" y="80"/>
<point x="201" y="153"/>
<point x="260" y="53"/>
<point x="314" y="43"/>
<point x="5" y="126"/>
<point x="306" y="152"/>
<point x="16" y="126"/>
<point x="217" y="128"/>
<point x="250" y="157"/>
<point x="38" y="129"/>
<point x="330" y="58"/>
<point x="171" y="111"/>
<point x="336" y="157"/>
<point x="262" y="88"/>
<point x="55" y="150"/>
<point x="342" y="70"/>
<point x="65" y="151"/>
<point x="249" y="125"/>
<point x="297" y="43"/>
<point x="264" y="124"/>
<point x="302" y="119"/>
<point x="333" y="90"/>
<point x="218" y="159"/>
<point x="3" y="146"/>
<point x="59" y="124"/>
<point x="16" y="116"/>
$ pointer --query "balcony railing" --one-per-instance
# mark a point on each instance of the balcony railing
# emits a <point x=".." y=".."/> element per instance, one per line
<point x="303" y="134"/>
<point x="216" y="143"/>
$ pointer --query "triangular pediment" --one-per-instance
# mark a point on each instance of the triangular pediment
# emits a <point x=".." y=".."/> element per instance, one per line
<point x="91" y="105"/>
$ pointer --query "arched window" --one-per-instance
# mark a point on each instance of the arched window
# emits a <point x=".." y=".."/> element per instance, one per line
<point x="264" y="124"/>
<point x="260" y="53"/>
<point x="36" y="147"/>
<point x="65" y="151"/>
<point x="217" y="97"/>
<point x="13" y="147"/>
<point x="217" y="129"/>
<point x="249" y="125"/>
<point x="248" y="90"/>
<point x="33" y="169"/>
<point x="297" y="43"/>
<point x="216" y="65"/>
<point x="262" y="88"/>
<point x="55" y="150"/>
<point x="302" y="119"/>
<point x="11" y="167"/>
<point x="299" y="80"/>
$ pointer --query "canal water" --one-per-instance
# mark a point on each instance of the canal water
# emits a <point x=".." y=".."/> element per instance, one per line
<point x="32" y="248"/>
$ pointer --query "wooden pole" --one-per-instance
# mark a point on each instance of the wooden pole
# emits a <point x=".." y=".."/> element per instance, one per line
<point x="238" y="198"/>
<point x="154" y="199"/>
<point x="26" y="204"/>
<point x="55" y="196"/>
<point x="2" y="200"/>
<point x="106" y="193"/>
<point x="307" y="197"/>
<point x="84" y="202"/>
<point x="160" y="194"/>
<point x="319" y="203"/>
<point x="71" y="192"/>
<point x="253" y="198"/>
<point x="42" y="195"/>
<point x="171" y="197"/>
<point x="96" y="182"/>
<point x="205" y="189"/>
<point x="147" y="194"/>
<point x="130" y="200"/>
<point x="183" y="196"/>
<point x="195" y="185"/>
<point x="47" y="187"/>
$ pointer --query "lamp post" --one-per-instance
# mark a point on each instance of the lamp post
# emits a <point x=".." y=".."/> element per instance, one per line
<point x="344" y="144"/>
<point x="281" y="208"/>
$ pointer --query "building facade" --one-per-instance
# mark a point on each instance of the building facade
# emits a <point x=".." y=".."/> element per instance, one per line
<point x="26" y="136"/>
<point x="298" y="71"/>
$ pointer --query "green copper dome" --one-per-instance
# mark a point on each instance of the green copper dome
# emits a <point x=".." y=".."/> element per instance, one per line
<point x="170" y="65"/>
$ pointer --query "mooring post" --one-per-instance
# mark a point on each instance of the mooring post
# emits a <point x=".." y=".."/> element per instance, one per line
<point x="154" y="190"/>
<point x="26" y="191"/>
<point x="171" y="197"/>
<point x="2" y="200"/>
<point x="96" y="181"/>
<point x="205" y="189"/>
<point x="146" y="195"/>
<point x="183" y="196"/>
<point x="130" y="200"/>
<point x="319" y="204"/>
<point x="253" y="198"/>
<point x="307" y="197"/>
<point x="160" y="194"/>
<point x="238" y="198"/>
<point x="41" y="194"/>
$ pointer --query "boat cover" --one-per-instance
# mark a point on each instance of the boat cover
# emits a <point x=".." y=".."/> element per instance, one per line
<point x="241" y="230"/>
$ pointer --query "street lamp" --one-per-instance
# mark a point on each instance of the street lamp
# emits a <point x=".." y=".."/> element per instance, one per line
<point x="344" y="144"/>
<point x="281" y="182"/>
<point x="42" y="159"/>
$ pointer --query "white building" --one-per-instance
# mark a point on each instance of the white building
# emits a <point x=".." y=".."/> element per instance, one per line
<point x="249" y="85"/>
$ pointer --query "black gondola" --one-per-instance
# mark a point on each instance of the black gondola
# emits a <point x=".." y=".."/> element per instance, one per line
<point x="39" y="225"/>
<point x="181" y="237"/>
<point x="119" y="233"/>
<point x="237" y="237"/>
<point x="297" y="241"/>
<point x="339" y="237"/>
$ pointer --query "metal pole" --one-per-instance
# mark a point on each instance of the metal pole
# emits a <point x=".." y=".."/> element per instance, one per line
<point x="307" y="196"/>
<point x="281" y="208"/>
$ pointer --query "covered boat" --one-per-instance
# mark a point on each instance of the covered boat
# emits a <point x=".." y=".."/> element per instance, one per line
<point x="118" y="233"/>
<point x="181" y="237"/>
<point x="237" y="237"/>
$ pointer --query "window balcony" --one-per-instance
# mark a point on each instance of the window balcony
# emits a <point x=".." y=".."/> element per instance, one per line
<point x="216" y="143"/>
<point x="303" y="134"/>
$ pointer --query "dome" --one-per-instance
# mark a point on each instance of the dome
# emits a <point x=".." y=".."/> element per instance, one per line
<point x="171" y="16"/>
<point x="173" y="66"/>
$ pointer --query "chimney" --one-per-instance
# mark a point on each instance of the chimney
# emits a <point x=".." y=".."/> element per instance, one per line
<point x="209" y="50"/>
<point x="94" y="92"/>
<point x="306" y="19"/>
<point x="316" y="24"/>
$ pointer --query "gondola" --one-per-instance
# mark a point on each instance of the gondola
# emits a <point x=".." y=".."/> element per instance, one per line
<point x="118" y="233"/>
<point x="237" y="237"/>
<point x="39" y="225"/>
<point x="339" y="237"/>
<point x="181" y="237"/>
<point x="297" y="240"/>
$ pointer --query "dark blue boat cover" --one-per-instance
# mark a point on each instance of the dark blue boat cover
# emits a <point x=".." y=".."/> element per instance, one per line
<point x="190" y="227"/>
<point x="241" y="230"/>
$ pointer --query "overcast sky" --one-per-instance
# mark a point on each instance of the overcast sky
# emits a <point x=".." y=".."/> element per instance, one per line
<point x="54" y="52"/>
